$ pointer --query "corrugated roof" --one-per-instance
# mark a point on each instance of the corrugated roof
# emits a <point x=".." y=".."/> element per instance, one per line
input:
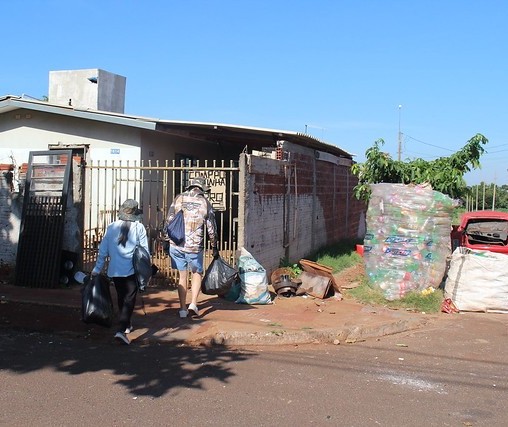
<point x="207" y="130"/>
<point x="11" y="103"/>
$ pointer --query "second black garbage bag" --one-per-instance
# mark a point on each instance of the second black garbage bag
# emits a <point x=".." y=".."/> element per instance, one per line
<point x="219" y="277"/>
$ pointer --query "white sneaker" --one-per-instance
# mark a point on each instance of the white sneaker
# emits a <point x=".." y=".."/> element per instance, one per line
<point x="183" y="313"/>
<point x="129" y="329"/>
<point x="193" y="309"/>
<point x="120" y="336"/>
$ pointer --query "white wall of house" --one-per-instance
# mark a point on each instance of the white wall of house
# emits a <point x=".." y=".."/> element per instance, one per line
<point x="23" y="131"/>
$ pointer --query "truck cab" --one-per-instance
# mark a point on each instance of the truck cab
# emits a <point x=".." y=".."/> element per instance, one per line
<point x="482" y="230"/>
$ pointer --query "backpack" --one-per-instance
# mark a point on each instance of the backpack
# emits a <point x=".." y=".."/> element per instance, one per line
<point x="176" y="228"/>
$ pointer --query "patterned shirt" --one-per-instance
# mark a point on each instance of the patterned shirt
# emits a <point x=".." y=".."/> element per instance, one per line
<point x="197" y="212"/>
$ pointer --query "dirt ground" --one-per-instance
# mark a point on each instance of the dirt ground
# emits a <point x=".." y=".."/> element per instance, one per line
<point x="350" y="277"/>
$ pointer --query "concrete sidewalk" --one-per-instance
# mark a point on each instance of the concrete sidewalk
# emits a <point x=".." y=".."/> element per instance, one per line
<point x="295" y="320"/>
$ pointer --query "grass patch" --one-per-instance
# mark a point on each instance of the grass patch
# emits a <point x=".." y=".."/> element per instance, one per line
<point x="338" y="256"/>
<point x="365" y="294"/>
<point x="412" y="301"/>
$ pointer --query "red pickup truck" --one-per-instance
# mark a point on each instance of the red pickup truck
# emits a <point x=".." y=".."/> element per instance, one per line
<point x="482" y="230"/>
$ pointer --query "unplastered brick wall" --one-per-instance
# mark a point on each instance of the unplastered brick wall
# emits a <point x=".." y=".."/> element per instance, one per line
<point x="297" y="205"/>
<point x="332" y="211"/>
<point x="264" y="209"/>
<point x="340" y="210"/>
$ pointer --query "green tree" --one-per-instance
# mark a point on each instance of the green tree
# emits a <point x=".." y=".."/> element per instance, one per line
<point x="488" y="196"/>
<point x="445" y="174"/>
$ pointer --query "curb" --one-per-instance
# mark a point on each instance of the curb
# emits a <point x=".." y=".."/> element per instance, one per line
<point x="347" y="335"/>
<point x="356" y="326"/>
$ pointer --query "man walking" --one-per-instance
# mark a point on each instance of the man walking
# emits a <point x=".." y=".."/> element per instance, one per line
<point x="188" y="256"/>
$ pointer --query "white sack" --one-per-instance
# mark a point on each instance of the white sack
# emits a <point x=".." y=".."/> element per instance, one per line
<point x="478" y="280"/>
<point x="254" y="281"/>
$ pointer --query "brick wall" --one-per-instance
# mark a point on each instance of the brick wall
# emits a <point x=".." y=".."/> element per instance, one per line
<point x="296" y="206"/>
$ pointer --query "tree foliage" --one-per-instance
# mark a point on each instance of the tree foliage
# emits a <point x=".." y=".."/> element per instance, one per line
<point x="445" y="174"/>
<point x="488" y="196"/>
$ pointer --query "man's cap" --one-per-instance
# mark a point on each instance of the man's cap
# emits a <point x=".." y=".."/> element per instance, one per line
<point x="200" y="182"/>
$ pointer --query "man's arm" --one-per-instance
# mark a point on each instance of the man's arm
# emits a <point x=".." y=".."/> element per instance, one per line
<point x="211" y="226"/>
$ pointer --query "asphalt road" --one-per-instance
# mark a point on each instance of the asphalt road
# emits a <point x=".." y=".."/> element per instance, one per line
<point x="452" y="373"/>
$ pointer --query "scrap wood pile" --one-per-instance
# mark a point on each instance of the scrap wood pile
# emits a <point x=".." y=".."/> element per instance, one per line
<point x="316" y="280"/>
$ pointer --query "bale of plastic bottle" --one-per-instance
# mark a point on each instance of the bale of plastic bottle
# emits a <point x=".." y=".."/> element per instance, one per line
<point x="407" y="241"/>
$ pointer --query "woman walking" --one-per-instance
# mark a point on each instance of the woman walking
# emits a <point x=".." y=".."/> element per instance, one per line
<point x="118" y="244"/>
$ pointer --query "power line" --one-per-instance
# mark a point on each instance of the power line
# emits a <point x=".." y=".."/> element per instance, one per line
<point x="497" y="151"/>
<point x="500" y="145"/>
<point x="423" y="155"/>
<point x="430" y="145"/>
<point x="485" y="158"/>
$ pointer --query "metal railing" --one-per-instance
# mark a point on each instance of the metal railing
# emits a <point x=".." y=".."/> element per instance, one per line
<point x="155" y="186"/>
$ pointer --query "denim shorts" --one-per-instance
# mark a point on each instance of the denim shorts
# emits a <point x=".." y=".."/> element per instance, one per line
<point x="185" y="260"/>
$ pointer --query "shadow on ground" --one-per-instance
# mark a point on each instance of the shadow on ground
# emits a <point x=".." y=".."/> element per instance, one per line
<point x="145" y="370"/>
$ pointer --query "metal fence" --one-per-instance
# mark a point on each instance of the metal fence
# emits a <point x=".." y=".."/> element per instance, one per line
<point x="155" y="186"/>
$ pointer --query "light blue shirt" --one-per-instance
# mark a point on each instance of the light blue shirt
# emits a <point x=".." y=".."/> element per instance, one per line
<point x="120" y="257"/>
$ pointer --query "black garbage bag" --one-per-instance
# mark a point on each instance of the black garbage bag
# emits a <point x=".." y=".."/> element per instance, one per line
<point x="96" y="302"/>
<point x="234" y="292"/>
<point x="219" y="277"/>
<point x="143" y="270"/>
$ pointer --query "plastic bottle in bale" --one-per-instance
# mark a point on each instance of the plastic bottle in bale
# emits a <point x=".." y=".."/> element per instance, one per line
<point x="407" y="239"/>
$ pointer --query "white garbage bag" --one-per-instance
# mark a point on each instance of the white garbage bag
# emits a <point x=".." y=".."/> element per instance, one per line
<point x="253" y="279"/>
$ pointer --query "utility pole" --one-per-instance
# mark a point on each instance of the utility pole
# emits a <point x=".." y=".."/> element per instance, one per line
<point x="494" y="191"/>
<point x="399" y="152"/>
<point x="483" y="203"/>
<point x="494" y="196"/>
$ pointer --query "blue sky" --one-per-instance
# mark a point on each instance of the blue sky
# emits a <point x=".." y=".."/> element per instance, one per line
<point x="338" y="68"/>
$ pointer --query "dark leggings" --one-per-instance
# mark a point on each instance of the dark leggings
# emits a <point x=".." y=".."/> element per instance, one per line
<point x="126" y="290"/>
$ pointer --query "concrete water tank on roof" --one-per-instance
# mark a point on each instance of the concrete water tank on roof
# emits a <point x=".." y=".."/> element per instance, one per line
<point x="92" y="89"/>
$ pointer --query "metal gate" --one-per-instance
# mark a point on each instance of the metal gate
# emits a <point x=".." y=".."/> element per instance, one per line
<point x="155" y="186"/>
<point x="43" y="217"/>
